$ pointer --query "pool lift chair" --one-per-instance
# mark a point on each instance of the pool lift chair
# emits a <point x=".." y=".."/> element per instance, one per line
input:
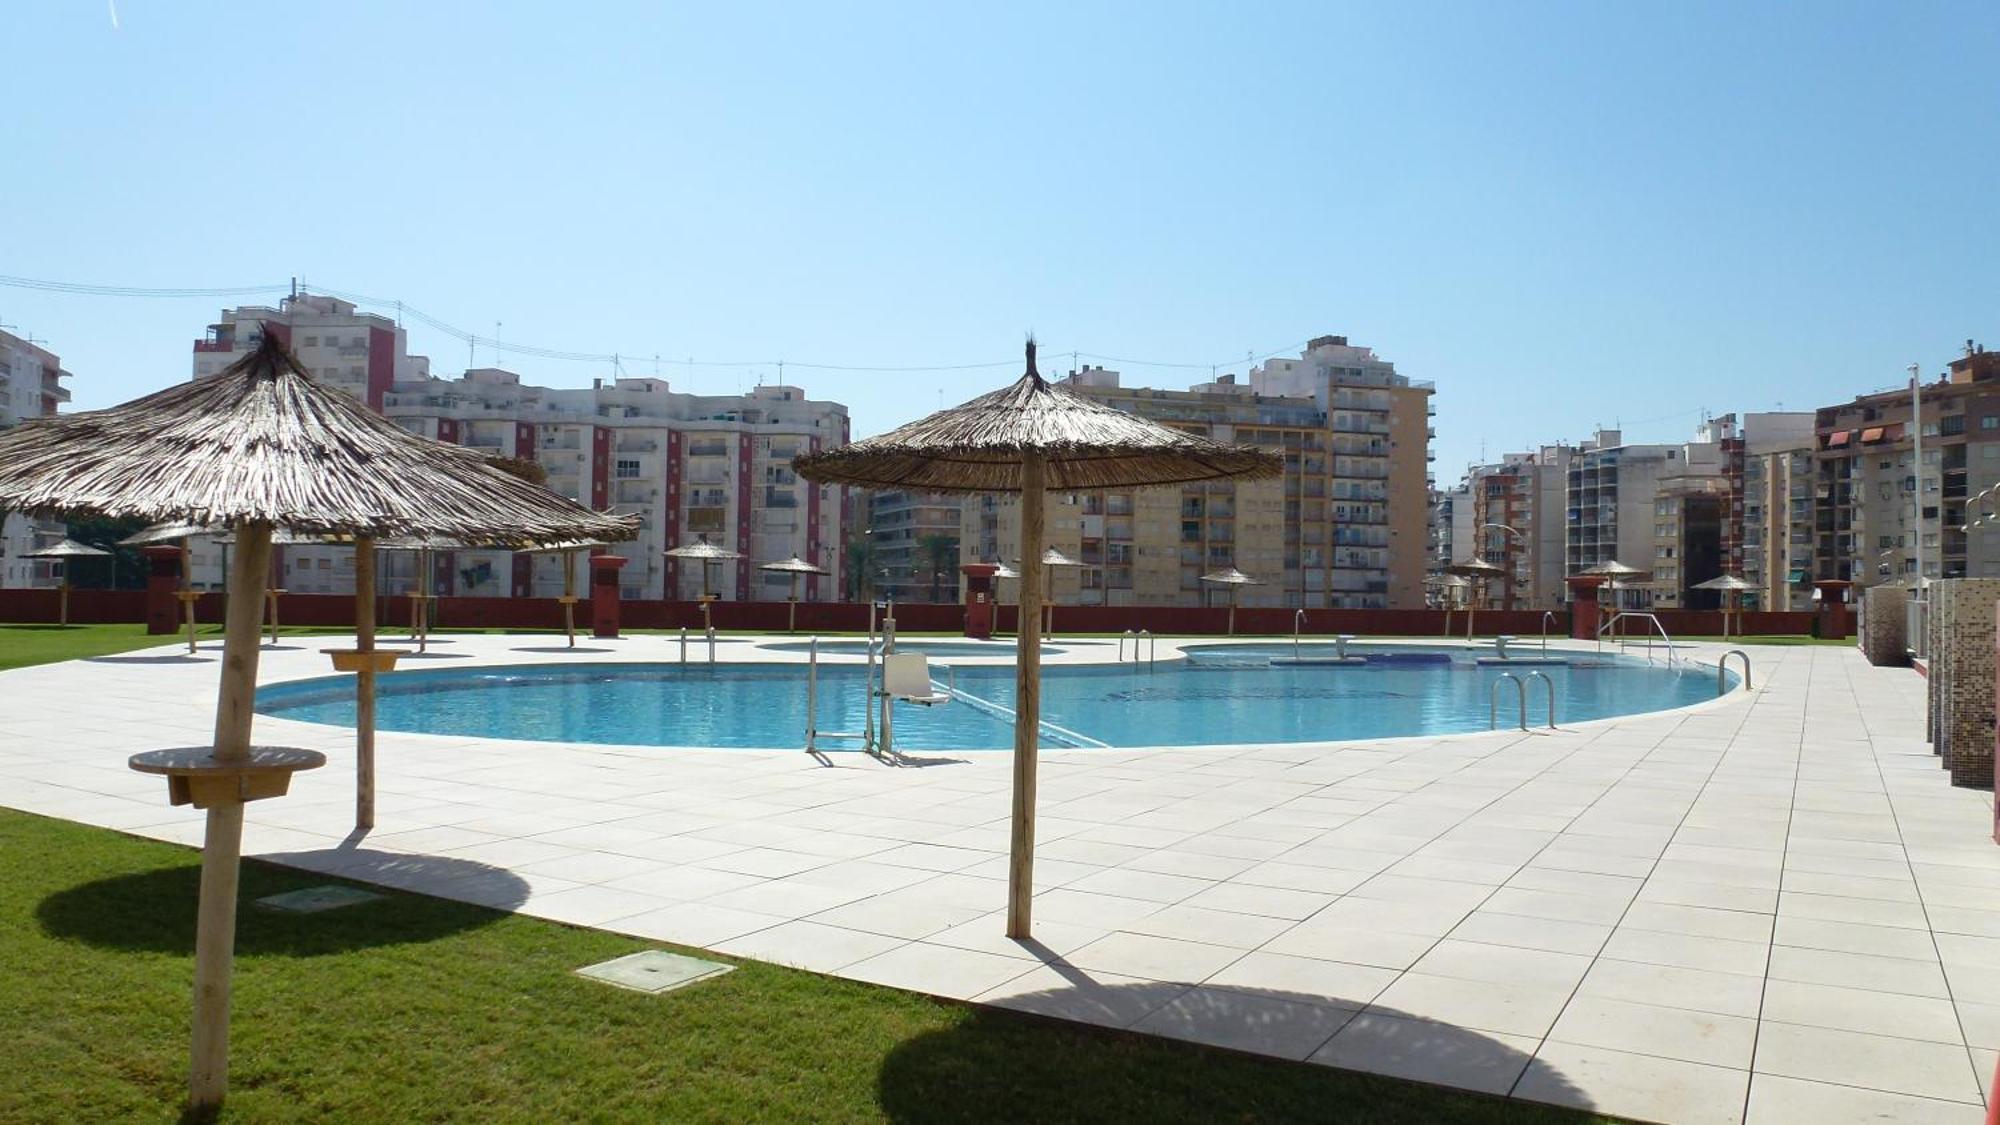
<point x="906" y="678"/>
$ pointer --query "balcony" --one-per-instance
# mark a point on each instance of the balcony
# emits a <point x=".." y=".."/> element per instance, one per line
<point x="708" y="449"/>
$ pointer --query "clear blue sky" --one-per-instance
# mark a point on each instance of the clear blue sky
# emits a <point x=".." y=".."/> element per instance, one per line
<point x="1565" y="215"/>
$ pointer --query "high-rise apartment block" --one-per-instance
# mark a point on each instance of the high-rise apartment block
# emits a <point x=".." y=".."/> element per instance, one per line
<point x="913" y="542"/>
<point x="1881" y="514"/>
<point x="713" y="467"/>
<point x="1346" y="525"/>
<point x="30" y="387"/>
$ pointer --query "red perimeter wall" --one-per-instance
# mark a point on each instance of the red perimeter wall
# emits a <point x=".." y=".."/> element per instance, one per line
<point x="337" y="610"/>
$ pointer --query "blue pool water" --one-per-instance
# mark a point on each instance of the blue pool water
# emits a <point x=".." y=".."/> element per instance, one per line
<point x="928" y="648"/>
<point x="1177" y="704"/>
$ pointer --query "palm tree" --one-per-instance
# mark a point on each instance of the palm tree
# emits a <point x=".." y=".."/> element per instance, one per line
<point x="861" y="566"/>
<point x="940" y="552"/>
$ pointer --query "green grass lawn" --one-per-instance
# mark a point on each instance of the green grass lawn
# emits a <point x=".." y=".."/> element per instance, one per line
<point x="421" y="1009"/>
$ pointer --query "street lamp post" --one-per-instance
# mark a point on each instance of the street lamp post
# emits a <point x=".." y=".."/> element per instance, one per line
<point x="1508" y="554"/>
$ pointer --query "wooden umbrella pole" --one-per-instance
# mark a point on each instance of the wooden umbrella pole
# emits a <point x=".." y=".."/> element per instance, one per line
<point x="569" y="596"/>
<point x="62" y="592"/>
<point x="364" y="683"/>
<point x="1027" y="703"/>
<point x="222" y="846"/>
<point x="792" y="613"/>
<point x="187" y="584"/>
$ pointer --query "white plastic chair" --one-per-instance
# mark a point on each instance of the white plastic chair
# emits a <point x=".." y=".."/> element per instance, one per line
<point x="907" y="676"/>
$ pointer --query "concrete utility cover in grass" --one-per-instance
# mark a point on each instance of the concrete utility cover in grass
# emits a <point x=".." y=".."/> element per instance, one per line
<point x="313" y="900"/>
<point x="654" y="970"/>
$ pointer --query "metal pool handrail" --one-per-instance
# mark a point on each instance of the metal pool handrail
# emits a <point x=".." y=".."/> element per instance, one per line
<point x="1298" y="626"/>
<point x="1548" y="615"/>
<point x="1152" y="648"/>
<point x="1547" y="683"/>
<point x="1722" y="667"/>
<point x="1642" y="616"/>
<point x="1134" y="634"/>
<point x="1493" y="701"/>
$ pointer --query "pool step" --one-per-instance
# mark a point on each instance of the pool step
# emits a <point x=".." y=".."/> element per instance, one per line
<point x="1319" y="660"/>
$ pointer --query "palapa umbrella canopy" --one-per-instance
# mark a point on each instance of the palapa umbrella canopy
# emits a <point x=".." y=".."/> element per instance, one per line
<point x="1030" y="438"/>
<point x="63" y="552"/>
<point x="1234" y="579"/>
<point x="709" y="554"/>
<point x="254" y="447"/>
<point x="1476" y="570"/>
<point x="1733" y="586"/>
<point x="794" y="566"/>
<point x="1051" y="559"/>
<point x="181" y="533"/>
<point x="569" y="549"/>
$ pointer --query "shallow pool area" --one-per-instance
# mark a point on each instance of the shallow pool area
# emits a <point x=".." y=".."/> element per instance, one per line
<point x="997" y="649"/>
<point x="1203" y="700"/>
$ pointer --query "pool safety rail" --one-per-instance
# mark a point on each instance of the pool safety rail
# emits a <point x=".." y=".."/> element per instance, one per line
<point x="1137" y="635"/>
<point x="711" y="644"/>
<point x="1493" y="701"/>
<point x="1620" y="637"/>
<point x="1530" y="678"/>
<point x="1722" y="671"/>
<point x="1548" y="618"/>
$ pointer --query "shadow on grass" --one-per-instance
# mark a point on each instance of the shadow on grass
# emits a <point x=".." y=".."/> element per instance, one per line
<point x="1003" y="1065"/>
<point x="154" y="911"/>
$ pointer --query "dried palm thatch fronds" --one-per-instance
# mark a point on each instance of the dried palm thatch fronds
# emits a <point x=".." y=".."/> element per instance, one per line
<point x="1230" y="576"/>
<point x="263" y="442"/>
<point x="794" y="565"/>
<point x="1085" y="445"/>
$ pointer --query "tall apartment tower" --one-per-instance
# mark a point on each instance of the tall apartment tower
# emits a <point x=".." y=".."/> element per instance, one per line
<point x="902" y="526"/>
<point x="361" y="353"/>
<point x="30" y="387"/>
<point x="1346" y="525"/>
<point x="1877" y="511"/>
<point x="1517" y="523"/>
<point x="1768" y="462"/>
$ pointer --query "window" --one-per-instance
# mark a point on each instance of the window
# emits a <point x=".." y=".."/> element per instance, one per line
<point x="628" y="470"/>
<point x="312" y="341"/>
<point x="1989" y="422"/>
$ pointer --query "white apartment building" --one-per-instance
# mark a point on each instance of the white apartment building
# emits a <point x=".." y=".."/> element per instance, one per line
<point x="691" y="466"/>
<point x="30" y="387"/>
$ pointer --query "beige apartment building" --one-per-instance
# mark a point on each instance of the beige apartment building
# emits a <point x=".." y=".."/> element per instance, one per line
<point x="1345" y="526"/>
<point x="1878" y="510"/>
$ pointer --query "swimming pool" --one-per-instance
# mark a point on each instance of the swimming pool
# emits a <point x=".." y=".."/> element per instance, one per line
<point x="928" y="648"/>
<point x="1177" y="703"/>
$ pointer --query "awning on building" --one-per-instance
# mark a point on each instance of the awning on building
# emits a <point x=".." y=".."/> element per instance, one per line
<point x="1798" y="576"/>
<point x="1871" y="435"/>
<point x="1838" y="438"/>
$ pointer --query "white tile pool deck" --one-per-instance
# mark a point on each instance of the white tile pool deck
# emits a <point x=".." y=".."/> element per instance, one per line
<point x="1771" y="909"/>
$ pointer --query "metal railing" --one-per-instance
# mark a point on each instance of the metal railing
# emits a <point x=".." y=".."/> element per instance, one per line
<point x="1620" y="637"/>
<point x="1547" y="683"/>
<point x="1722" y="670"/>
<point x="1298" y="626"/>
<point x="1137" y="635"/>
<point x="865" y="736"/>
<point x="1493" y="701"/>
<point x="1916" y="614"/>
<point x="1547" y="617"/>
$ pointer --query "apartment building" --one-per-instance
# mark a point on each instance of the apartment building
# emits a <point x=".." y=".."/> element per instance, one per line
<point x="714" y="467"/>
<point x="1882" y="514"/>
<point x="1770" y="470"/>
<point x="1345" y="526"/>
<point x="1517" y="523"/>
<point x="913" y="544"/>
<point x="31" y="386"/>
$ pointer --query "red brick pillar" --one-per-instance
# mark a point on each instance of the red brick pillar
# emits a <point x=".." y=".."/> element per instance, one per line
<point x="1836" y="617"/>
<point x="604" y="594"/>
<point x="979" y="599"/>
<point x="1585" y="614"/>
<point x="163" y="578"/>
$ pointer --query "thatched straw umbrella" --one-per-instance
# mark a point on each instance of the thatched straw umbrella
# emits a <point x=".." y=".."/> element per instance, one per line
<point x="420" y="589"/>
<point x="1477" y="571"/>
<point x="569" y="551"/>
<point x="1733" y="587"/>
<point x="794" y="566"/>
<point x="1051" y="559"/>
<point x="1450" y="584"/>
<point x="258" y="446"/>
<point x="709" y="554"/>
<point x="62" y="553"/>
<point x="1234" y="579"/>
<point x="1618" y="577"/>
<point x="1031" y="438"/>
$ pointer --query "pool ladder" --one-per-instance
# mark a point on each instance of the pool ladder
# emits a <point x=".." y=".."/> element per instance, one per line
<point x="1137" y="635"/>
<point x="1521" y="697"/>
<point x="1722" y="671"/>
<point x="865" y="736"/>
